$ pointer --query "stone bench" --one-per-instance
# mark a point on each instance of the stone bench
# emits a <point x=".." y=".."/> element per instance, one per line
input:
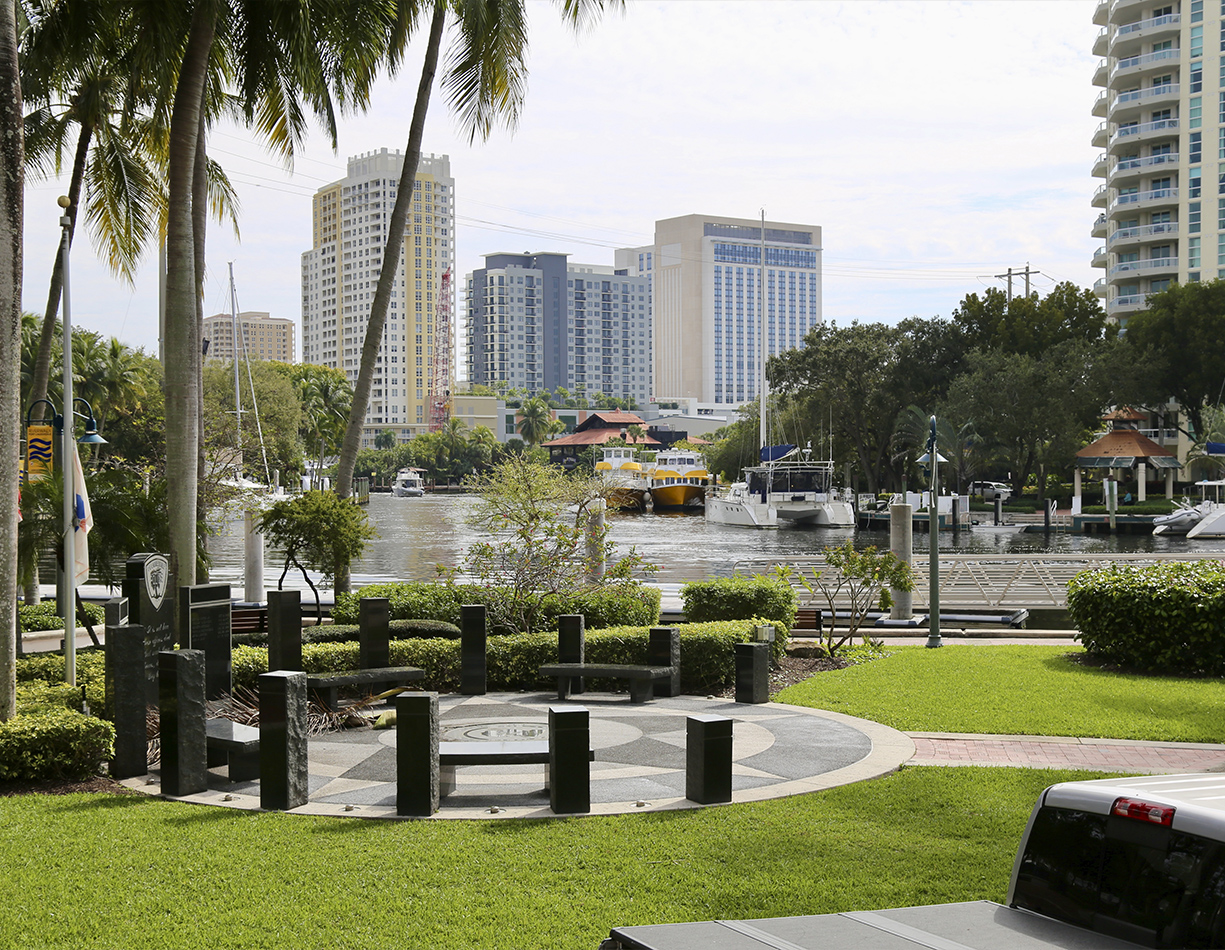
<point x="452" y="754"/>
<point x="240" y="744"/>
<point x="326" y="686"/>
<point x="642" y="679"/>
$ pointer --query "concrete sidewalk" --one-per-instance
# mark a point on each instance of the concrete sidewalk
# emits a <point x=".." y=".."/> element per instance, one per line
<point x="1067" y="752"/>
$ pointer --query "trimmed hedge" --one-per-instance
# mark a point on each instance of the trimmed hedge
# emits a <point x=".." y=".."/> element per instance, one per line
<point x="46" y="741"/>
<point x="49" y="668"/>
<point x="43" y="616"/>
<point x="1167" y="617"/>
<point x="616" y="604"/>
<point x="707" y="657"/>
<point x="343" y="632"/>
<point x="742" y="598"/>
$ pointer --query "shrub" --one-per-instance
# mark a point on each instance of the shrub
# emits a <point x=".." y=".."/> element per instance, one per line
<point x="51" y="742"/>
<point x="743" y="598"/>
<point x="707" y="657"/>
<point x="43" y="616"/>
<point x="49" y="668"/>
<point x="1167" y="617"/>
<point x="343" y="632"/>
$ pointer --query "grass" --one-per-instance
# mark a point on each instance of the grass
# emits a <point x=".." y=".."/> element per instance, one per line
<point x="1017" y="690"/>
<point x="112" y="871"/>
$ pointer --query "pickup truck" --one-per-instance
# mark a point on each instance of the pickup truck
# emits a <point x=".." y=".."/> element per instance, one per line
<point x="1131" y="862"/>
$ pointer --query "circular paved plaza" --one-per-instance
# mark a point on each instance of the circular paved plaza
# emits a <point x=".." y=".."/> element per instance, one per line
<point x="639" y="760"/>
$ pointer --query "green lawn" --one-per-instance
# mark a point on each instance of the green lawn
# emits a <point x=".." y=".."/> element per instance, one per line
<point x="109" y="871"/>
<point x="1017" y="690"/>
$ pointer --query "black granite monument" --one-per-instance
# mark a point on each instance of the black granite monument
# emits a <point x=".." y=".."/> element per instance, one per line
<point x="374" y="633"/>
<point x="184" y="752"/>
<point x="284" y="630"/>
<point x="283" y="766"/>
<point x="708" y="759"/>
<point x="472" y="643"/>
<point x="148" y="586"/>
<point x="417" y="772"/>
<point x="569" y="759"/>
<point x="204" y="624"/>
<point x="572" y="645"/>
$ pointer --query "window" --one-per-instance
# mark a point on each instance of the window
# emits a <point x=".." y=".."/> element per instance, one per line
<point x="1197" y="11"/>
<point x="1196" y="110"/>
<point x="1193" y="252"/>
<point x="1197" y="77"/>
<point x="1195" y="147"/>
<point x="1193" y="216"/>
<point x="1197" y="41"/>
<point x="1193" y="183"/>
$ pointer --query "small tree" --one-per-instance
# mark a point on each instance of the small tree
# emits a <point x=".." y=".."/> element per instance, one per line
<point x="317" y="529"/>
<point x="544" y="540"/>
<point x="865" y="577"/>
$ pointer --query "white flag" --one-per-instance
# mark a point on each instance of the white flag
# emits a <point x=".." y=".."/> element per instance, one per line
<point x="83" y="521"/>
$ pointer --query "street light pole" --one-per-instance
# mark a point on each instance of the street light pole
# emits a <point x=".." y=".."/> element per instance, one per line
<point x="69" y="588"/>
<point x="933" y="528"/>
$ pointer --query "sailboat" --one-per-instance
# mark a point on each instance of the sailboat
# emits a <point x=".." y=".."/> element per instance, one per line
<point x="789" y="486"/>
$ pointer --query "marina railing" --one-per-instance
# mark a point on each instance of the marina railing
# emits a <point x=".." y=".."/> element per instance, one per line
<point x="983" y="581"/>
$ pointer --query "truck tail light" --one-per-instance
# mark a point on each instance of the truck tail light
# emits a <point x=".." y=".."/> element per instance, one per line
<point x="1143" y="811"/>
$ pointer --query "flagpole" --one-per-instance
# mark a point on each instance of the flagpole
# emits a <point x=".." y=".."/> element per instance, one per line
<point x="68" y="607"/>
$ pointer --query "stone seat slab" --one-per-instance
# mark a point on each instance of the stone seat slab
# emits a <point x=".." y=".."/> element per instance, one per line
<point x="239" y="742"/>
<point x="327" y="685"/>
<point x="642" y="678"/>
<point x="515" y="752"/>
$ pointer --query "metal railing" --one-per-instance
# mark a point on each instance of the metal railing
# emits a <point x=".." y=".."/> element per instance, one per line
<point x="991" y="581"/>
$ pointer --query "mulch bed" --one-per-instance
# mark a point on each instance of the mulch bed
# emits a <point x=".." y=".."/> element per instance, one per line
<point x="791" y="670"/>
<point x="98" y="783"/>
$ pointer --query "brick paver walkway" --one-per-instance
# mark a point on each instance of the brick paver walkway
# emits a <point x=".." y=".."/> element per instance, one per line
<point x="1108" y="755"/>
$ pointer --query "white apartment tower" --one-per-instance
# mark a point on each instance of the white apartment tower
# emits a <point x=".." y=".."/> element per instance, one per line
<point x="705" y="276"/>
<point x="341" y="272"/>
<point x="1163" y="111"/>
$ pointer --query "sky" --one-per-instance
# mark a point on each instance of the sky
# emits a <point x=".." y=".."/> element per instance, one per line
<point x="936" y="144"/>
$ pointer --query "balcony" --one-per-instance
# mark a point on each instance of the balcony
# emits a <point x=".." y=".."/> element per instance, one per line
<point x="1132" y="167"/>
<point x="1144" y="199"/>
<point x="1101" y="13"/>
<point x="1144" y="132"/>
<point x="1100" y="105"/>
<point x="1101" y="43"/>
<point x="1128" y="37"/>
<point x="1101" y="75"/>
<point x="1099" y="166"/>
<point x="1099" y="287"/>
<point x="1099" y="257"/>
<point x="1124" y="236"/>
<point x="1142" y="63"/>
<point x="1099" y="197"/>
<point x="1099" y="227"/>
<point x="1100" y="138"/>
<point x="1126" y="304"/>
<point x="1134" y="101"/>
<point x="1134" y="268"/>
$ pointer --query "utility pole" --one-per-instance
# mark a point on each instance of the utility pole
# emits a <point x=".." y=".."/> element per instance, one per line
<point x="1020" y="273"/>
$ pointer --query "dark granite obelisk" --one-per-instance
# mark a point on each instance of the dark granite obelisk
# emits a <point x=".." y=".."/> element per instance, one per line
<point x="125" y="699"/>
<point x="417" y="773"/>
<point x="752" y="672"/>
<point x="569" y="761"/>
<point x="571" y="645"/>
<point x="283" y="767"/>
<point x="204" y="624"/>
<point x="664" y="649"/>
<point x="708" y="759"/>
<point x="184" y="753"/>
<point x="374" y="633"/>
<point x="284" y="630"/>
<point x="472" y="643"/>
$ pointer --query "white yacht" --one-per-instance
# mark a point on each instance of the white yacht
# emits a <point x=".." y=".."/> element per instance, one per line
<point x="789" y="490"/>
<point x="408" y="484"/>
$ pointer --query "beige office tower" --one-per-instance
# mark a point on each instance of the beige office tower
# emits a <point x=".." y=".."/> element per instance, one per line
<point x="1162" y="203"/>
<point x="341" y="273"/>
<point x="706" y="308"/>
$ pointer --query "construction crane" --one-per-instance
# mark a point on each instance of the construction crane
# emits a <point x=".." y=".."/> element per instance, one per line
<point x="440" y="359"/>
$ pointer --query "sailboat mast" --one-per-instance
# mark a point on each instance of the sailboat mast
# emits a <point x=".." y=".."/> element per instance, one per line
<point x="761" y="329"/>
<point x="237" y="392"/>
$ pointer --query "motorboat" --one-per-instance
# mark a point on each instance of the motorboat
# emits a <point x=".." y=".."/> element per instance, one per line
<point x="678" y="479"/>
<point x="408" y="484"/>
<point x="626" y="485"/>
<point x="788" y="488"/>
<point x="1182" y="519"/>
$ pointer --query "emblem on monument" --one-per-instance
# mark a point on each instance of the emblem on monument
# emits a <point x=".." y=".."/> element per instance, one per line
<point x="157" y="573"/>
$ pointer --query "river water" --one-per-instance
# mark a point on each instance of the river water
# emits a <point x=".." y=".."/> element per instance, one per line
<point x="416" y="534"/>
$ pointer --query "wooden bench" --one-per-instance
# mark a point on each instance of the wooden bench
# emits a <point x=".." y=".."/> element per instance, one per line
<point x="642" y="678"/>
<point x="530" y="752"/>
<point x="808" y="619"/>
<point x="240" y="744"/>
<point x="249" y="620"/>
<point x="326" y="686"/>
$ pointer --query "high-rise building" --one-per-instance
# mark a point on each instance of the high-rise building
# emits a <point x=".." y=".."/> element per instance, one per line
<point x="705" y="275"/>
<point x="261" y="336"/>
<point x="536" y="322"/>
<point x="341" y="272"/>
<point x="1163" y="109"/>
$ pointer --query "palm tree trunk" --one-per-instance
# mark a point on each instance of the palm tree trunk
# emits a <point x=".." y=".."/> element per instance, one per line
<point x="12" y="182"/>
<point x="182" y="357"/>
<point x="396" y="226"/>
<point x="199" y="217"/>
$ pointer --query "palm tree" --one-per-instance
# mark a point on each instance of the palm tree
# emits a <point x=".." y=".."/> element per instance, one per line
<point x="536" y="421"/>
<point x="484" y="84"/>
<point x="12" y="183"/>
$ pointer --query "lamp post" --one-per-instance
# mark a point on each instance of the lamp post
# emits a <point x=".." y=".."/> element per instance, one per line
<point x="933" y="528"/>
